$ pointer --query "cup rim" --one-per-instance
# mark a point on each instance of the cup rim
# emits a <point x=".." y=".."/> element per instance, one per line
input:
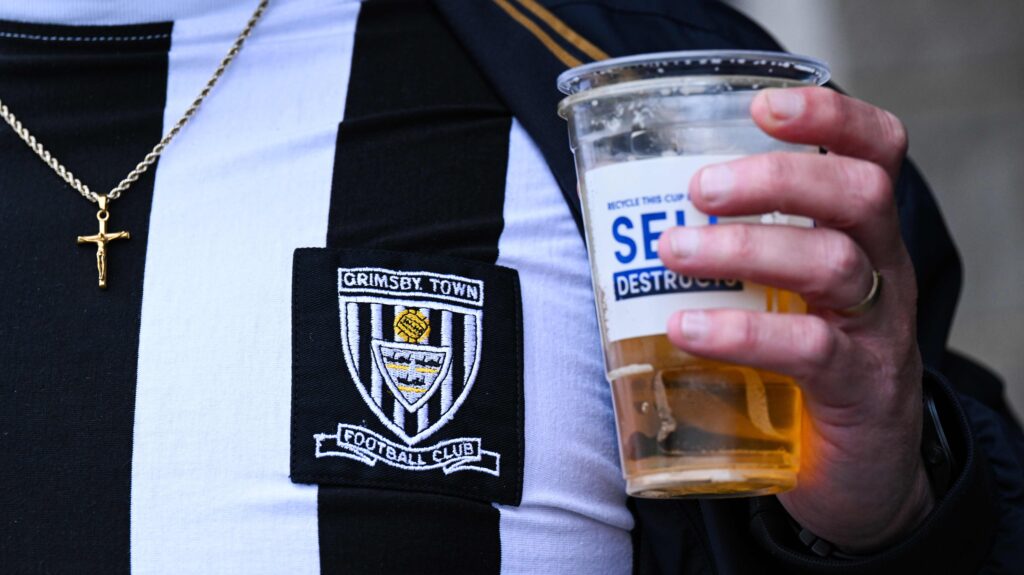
<point x="683" y="63"/>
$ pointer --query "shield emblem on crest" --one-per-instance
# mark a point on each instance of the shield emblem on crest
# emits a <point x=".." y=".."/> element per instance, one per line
<point x="412" y="359"/>
<point x="411" y="371"/>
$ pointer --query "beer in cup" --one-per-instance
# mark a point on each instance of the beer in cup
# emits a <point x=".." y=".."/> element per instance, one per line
<point x="640" y="127"/>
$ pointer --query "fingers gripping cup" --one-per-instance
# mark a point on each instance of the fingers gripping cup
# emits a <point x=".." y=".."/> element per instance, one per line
<point x="640" y="127"/>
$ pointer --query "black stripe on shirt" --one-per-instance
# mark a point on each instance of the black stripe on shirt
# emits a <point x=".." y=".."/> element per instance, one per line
<point x="95" y="97"/>
<point x="423" y="130"/>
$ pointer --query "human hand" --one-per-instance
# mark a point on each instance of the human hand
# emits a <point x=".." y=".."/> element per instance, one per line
<point x="862" y="482"/>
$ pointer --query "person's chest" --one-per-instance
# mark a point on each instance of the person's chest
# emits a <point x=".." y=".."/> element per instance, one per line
<point x="224" y="404"/>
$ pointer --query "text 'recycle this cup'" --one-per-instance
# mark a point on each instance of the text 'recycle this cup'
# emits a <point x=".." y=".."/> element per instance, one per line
<point x="640" y="127"/>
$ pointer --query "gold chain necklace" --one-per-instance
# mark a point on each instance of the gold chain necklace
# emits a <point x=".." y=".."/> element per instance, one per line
<point x="102" y="237"/>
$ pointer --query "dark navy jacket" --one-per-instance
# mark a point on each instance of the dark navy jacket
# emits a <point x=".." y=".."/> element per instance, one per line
<point x="979" y="524"/>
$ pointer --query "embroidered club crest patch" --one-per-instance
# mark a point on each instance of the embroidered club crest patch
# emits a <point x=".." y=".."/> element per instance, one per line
<point x="420" y="324"/>
<point x="400" y="391"/>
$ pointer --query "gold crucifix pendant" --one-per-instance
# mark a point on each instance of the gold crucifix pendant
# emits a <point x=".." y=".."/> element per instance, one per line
<point x="101" y="240"/>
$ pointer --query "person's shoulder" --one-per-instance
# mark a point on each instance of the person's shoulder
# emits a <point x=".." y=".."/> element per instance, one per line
<point x="634" y="26"/>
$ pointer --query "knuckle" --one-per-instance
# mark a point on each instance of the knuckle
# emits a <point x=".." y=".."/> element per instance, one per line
<point x="815" y="342"/>
<point x="871" y="183"/>
<point x="739" y="242"/>
<point x="745" y="332"/>
<point x="775" y="175"/>
<point x="894" y="132"/>
<point x="840" y="265"/>
<point x="832" y="107"/>
<point x="843" y="258"/>
<point x="776" y="169"/>
<point x="771" y="171"/>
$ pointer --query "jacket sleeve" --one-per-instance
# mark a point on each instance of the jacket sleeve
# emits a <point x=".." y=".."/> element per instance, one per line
<point x="979" y="523"/>
<point x="976" y="527"/>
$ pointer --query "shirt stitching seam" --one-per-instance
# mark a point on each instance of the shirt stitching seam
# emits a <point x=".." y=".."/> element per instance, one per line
<point x="45" y="38"/>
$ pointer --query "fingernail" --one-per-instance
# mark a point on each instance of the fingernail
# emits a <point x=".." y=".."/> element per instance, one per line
<point x="683" y="242"/>
<point x="694" y="325"/>
<point x="784" y="104"/>
<point x="715" y="183"/>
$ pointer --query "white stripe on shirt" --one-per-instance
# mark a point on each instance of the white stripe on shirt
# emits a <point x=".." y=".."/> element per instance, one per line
<point x="114" y="12"/>
<point x="573" y="517"/>
<point x="247" y="182"/>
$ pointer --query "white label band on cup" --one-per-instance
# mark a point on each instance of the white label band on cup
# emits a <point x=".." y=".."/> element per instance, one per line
<point x="629" y="206"/>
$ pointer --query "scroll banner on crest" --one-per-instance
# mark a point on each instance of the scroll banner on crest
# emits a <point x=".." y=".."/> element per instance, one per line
<point x="369" y="447"/>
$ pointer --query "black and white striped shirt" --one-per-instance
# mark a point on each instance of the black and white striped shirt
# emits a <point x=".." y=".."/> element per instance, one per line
<point x="152" y="427"/>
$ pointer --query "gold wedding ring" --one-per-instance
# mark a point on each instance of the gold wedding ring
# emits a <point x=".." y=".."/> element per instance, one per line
<point x="869" y="300"/>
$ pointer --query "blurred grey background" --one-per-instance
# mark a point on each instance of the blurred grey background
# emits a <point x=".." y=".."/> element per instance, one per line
<point x="953" y="71"/>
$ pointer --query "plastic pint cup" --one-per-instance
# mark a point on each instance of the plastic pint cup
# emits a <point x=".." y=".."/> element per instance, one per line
<point x="640" y="127"/>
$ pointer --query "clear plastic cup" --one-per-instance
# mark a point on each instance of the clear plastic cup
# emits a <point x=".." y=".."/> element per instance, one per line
<point x="640" y="127"/>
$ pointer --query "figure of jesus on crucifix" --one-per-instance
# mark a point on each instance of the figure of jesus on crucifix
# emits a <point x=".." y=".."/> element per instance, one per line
<point x="101" y="239"/>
